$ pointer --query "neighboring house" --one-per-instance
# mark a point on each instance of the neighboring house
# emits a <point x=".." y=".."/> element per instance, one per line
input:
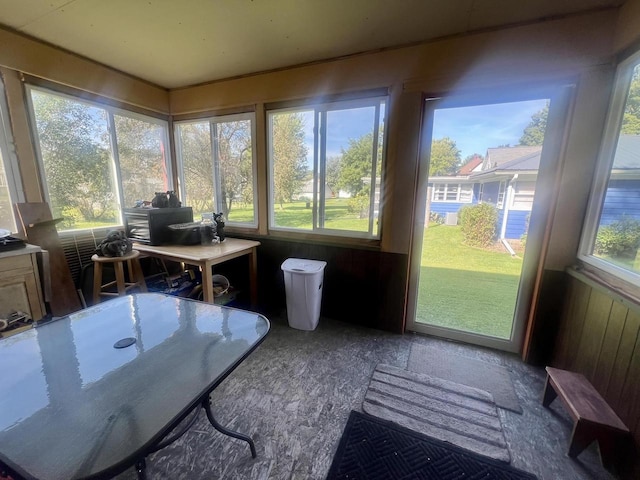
<point x="623" y="190"/>
<point x="507" y="179"/>
<point x="307" y="191"/>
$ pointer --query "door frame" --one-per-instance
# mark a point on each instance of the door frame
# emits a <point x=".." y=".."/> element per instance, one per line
<point x="561" y="96"/>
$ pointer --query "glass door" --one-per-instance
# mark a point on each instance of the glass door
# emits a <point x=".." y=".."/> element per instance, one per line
<point x="472" y="270"/>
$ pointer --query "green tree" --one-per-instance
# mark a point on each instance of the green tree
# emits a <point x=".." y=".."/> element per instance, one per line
<point x="76" y="156"/>
<point x="631" y="118"/>
<point x="236" y="164"/>
<point x="289" y="156"/>
<point x="334" y="166"/>
<point x="142" y="159"/>
<point x="445" y="157"/>
<point x="533" y="133"/>
<point x="197" y="164"/>
<point x="356" y="162"/>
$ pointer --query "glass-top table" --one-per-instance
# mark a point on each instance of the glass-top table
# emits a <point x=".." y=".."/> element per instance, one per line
<point x="93" y="393"/>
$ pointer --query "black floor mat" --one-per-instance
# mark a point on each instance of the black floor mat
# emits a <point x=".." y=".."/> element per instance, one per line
<point x="371" y="448"/>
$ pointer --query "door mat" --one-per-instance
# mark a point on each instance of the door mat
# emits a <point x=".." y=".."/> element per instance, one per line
<point x="371" y="448"/>
<point x="494" y="379"/>
<point x="451" y="412"/>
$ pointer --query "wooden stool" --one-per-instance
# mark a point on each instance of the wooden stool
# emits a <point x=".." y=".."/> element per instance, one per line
<point x="135" y="272"/>
<point x="594" y="419"/>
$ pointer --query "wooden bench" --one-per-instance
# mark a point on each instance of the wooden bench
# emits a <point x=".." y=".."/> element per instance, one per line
<point x="593" y="418"/>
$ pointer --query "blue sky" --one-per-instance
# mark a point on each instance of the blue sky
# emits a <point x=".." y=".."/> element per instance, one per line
<point x="342" y="126"/>
<point x="474" y="129"/>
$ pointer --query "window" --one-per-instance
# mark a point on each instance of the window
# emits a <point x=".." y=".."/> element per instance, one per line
<point x="501" y="190"/>
<point x="523" y="193"/>
<point x="217" y="164"/>
<point x="96" y="159"/>
<point x="9" y="191"/>
<point x="452" y="192"/>
<point x="325" y="165"/>
<point x="611" y="236"/>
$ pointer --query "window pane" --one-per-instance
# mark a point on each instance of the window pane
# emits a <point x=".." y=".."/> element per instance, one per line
<point x="6" y="205"/>
<point x="618" y="232"/>
<point x="235" y="197"/>
<point x="466" y="193"/>
<point x="141" y="153"/>
<point x="438" y="192"/>
<point x="197" y="166"/>
<point x="501" y="194"/>
<point x="452" y="193"/>
<point x="218" y="163"/>
<point x="78" y="166"/>
<point x="291" y="149"/>
<point x="349" y="154"/>
<point x="325" y="168"/>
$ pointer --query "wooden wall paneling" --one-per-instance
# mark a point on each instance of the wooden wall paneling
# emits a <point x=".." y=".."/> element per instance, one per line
<point x="629" y="410"/>
<point x="609" y="348"/>
<point x="392" y="287"/>
<point x="623" y="357"/>
<point x="572" y="324"/>
<point x="595" y="324"/>
<point x="548" y="315"/>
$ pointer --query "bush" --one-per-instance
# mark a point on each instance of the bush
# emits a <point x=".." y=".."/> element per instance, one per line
<point x="359" y="205"/>
<point x="478" y="224"/>
<point x="619" y="239"/>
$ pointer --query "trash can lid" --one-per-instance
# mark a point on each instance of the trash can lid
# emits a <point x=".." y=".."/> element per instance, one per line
<point x="303" y="266"/>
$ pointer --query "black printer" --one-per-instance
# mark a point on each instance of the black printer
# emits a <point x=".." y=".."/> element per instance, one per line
<point x="151" y="225"/>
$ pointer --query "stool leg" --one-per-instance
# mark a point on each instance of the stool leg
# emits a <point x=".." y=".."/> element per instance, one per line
<point x="120" y="278"/>
<point x="97" y="282"/>
<point x="138" y="275"/>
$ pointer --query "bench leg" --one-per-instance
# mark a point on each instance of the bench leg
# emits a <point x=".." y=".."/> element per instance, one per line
<point x="549" y="393"/>
<point x="610" y="449"/>
<point x="581" y="437"/>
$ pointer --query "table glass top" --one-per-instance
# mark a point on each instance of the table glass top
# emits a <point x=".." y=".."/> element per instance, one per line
<point x="72" y="405"/>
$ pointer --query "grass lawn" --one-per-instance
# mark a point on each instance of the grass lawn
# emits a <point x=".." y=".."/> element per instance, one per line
<point x="337" y="216"/>
<point x="466" y="288"/>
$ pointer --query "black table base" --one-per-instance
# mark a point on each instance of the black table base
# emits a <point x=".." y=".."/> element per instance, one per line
<point x="141" y="465"/>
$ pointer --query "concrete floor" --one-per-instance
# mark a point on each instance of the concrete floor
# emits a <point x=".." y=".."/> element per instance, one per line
<point x="294" y="393"/>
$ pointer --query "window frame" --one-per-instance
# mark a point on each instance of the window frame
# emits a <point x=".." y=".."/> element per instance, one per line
<point x="606" y="156"/>
<point x="444" y="191"/>
<point x="111" y="111"/>
<point x="502" y="190"/>
<point x="9" y="157"/>
<point x="232" y="117"/>
<point x="319" y="112"/>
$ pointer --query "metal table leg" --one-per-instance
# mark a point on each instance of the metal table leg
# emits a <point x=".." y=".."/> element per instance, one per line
<point x="141" y="469"/>
<point x="206" y="403"/>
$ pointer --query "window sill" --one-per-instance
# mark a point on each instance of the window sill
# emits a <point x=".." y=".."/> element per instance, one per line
<point x="623" y="291"/>
<point x="312" y="238"/>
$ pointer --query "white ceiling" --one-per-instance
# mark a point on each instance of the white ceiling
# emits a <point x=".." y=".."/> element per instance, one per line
<point x="176" y="43"/>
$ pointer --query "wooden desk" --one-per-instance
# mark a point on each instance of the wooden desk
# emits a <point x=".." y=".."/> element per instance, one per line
<point x="206" y="256"/>
<point x="20" y="284"/>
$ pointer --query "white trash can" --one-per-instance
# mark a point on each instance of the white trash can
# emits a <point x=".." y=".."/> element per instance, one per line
<point x="303" y="287"/>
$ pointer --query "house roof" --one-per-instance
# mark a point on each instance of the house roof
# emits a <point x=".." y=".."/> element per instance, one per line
<point x="470" y="166"/>
<point x="511" y="160"/>
<point x="501" y="155"/>
<point x="627" y="153"/>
